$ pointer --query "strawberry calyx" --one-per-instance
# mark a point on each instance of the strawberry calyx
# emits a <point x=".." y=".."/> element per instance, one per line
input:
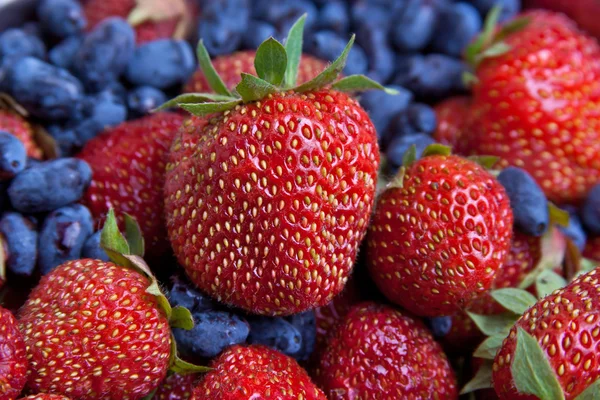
<point x="127" y="251"/>
<point x="410" y="156"/>
<point x="160" y="10"/>
<point x="277" y="69"/>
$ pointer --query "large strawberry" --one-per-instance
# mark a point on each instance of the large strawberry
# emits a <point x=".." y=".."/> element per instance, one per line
<point x="256" y="372"/>
<point x="592" y="248"/>
<point x="440" y="232"/>
<point x="268" y="199"/>
<point x="451" y="115"/>
<point x="176" y="387"/>
<point x="552" y="350"/>
<point x="13" y="357"/>
<point x="535" y="102"/>
<point x="44" y="396"/>
<point x="231" y="66"/>
<point x="100" y="330"/>
<point x="128" y="164"/>
<point x="18" y="126"/>
<point x="377" y="352"/>
<point x="584" y="12"/>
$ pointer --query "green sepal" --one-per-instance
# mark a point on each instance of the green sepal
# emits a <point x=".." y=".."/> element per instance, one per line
<point x="489" y="347"/>
<point x="481" y="380"/>
<point x="436" y="149"/>
<point x="547" y="282"/>
<point x="409" y="156"/>
<point x="552" y="249"/>
<point x="398" y="180"/>
<point x="513" y="299"/>
<point x="330" y="74"/>
<point x="485" y="37"/>
<point x="360" y="83"/>
<point x="531" y="370"/>
<point x="497" y="324"/>
<point x="202" y="109"/>
<point x="178" y="366"/>
<point x="133" y="235"/>
<point x="487" y="162"/>
<point x="469" y="79"/>
<point x="192" y="98"/>
<point x="212" y="77"/>
<point x="558" y="216"/>
<point x="592" y="392"/>
<point x="111" y="236"/>
<point x="293" y="48"/>
<point x="588" y="264"/>
<point x="495" y="50"/>
<point x="252" y="88"/>
<point x="182" y="318"/>
<point x="270" y="62"/>
<point x="516" y="25"/>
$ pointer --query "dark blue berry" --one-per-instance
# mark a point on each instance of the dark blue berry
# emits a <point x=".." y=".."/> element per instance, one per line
<point x="223" y="24"/>
<point x="32" y="162"/>
<point x="184" y="293"/>
<point x="510" y="8"/>
<point x="378" y="50"/>
<point x="334" y="16"/>
<point x="399" y="145"/>
<point x="277" y="333"/>
<point x="16" y="43"/>
<point x="439" y="326"/>
<point x="421" y="117"/>
<point x="92" y="248"/>
<point x="590" y="212"/>
<point x="65" y="139"/>
<point x="306" y="324"/>
<point x="161" y="63"/>
<point x="284" y="13"/>
<point x="49" y="185"/>
<point x="33" y="28"/>
<point x="19" y="238"/>
<point x="414" y="26"/>
<point x="382" y="106"/>
<point x="527" y="200"/>
<point x="457" y="25"/>
<point x="13" y="156"/>
<point x="574" y="230"/>
<point x="104" y="53"/>
<point x="213" y="331"/>
<point x="63" y="235"/>
<point x="62" y="54"/>
<point x="118" y="90"/>
<point x="328" y="45"/>
<point x="144" y="99"/>
<point x="257" y="32"/>
<point x="61" y="18"/>
<point x="368" y="13"/>
<point x="46" y="91"/>
<point x="100" y="111"/>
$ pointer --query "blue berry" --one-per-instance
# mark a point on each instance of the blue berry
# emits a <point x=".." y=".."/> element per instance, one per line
<point x="104" y="53"/>
<point x="457" y="25"/>
<point x="92" y="248"/>
<point x="16" y="43"/>
<point x="284" y="13"/>
<point x="421" y="117"/>
<point x="378" y="50"/>
<point x="63" y="235"/>
<point x="46" y="91"/>
<point x="334" y="16"/>
<point x="510" y="8"/>
<point x="62" y="54"/>
<point x="33" y="28"/>
<point x="306" y="324"/>
<point x="368" y="13"/>
<point x="399" y="145"/>
<point x="20" y="238"/>
<point x="32" y="162"/>
<point x="439" y="326"/>
<point x="50" y="185"/>
<point x="382" y="107"/>
<point x="13" y="156"/>
<point x="212" y="333"/>
<point x="328" y="45"/>
<point x="414" y="26"/>
<point x="100" y="111"/>
<point x="574" y="230"/>
<point x="223" y="24"/>
<point x="65" y="139"/>
<point x="527" y="200"/>
<point x="257" y="32"/>
<point x="590" y="212"/>
<point x="117" y="89"/>
<point x="144" y="99"/>
<point x="277" y="333"/>
<point x="161" y="63"/>
<point x="61" y="18"/>
<point x="184" y="293"/>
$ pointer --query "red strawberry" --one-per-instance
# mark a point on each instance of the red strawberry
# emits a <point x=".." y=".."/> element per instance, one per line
<point x="128" y="163"/>
<point x="439" y="235"/>
<point x="451" y="115"/>
<point x="176" y="387"/>
<point x="13" y="357"/>
<point x="584" y="12"/>
<point x="256" y="372"/>
<point x="536" y="106"/>
<point x="231" y="66"/>
<point x="379" y="353"/>
<point x="565" y="326"/>
<point x="18" y="126"/>
<point x="152" y="19"/>
<point x="592" y="249"/>
<point x="45" y="396"/>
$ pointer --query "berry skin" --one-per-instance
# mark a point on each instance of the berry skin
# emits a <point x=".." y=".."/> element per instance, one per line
<point x="400" y="145"/>
<point x="128" y="163"/>
<point x="61" y="18"/>
<point x="415" y="25"/>
<point x="327" y="45"/>
<point x="382" y="108"/>
<point x="376" y="352"/>
<point x="142" y="100"/>
<point x="565" y="324"/>
<point x="457" y="25"/>
<point x="249" y="372"/>
<point x="451" y="116"/>
<point x="176" y="387"/>
<point x="16" y="125"/>
<point x="131" y="340"/>
<point x="592" y="249"/>
<point x="13" y="356"/>
<point x="20" y="240"/>
<point x="16" y="43"/>
<point x="584" y="12"/>
<point x="525" y="116"/>
<point x="436" y="242"/>
<point x="12" y="155"/>
<point x="276" y="333"/>
<point x="62" y="54"/>
<point x="302" y="188"/>
<point x="44" y="396"/>
<point x="92" y="249"/>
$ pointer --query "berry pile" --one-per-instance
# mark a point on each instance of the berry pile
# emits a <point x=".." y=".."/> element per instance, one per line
<point x="344" y="199"/>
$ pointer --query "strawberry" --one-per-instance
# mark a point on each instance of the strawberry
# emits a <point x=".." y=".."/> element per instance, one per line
<point x="592" y="248"/>
<point x="231" y="66"/>
<point x="18" y="126"/>
<point x="13" y="357"/>
<point x="451" y="115"/>
<point x="152" y="19"/>
<point x="128" y="164"/>
<point x="377" y="352"/>
<point x="256" y="372"/>
<point x="440" y="232"/>
<point x="176" y="387"/>
<point x="535" y="105"/>
<point x="584" y="12"/>
<point x="45" y="396"/>
<point x="563" y="329"/>
<point x="268" y="199"/>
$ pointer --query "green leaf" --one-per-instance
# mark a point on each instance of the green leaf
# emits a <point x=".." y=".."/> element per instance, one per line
<point x="592" y="392"/>
<point x="469" y="79"/>
<point x="202" y="109"/>
<point x="212" y="77"/>
<point x="495" y="50"/>
<point x="252" y="88"/>
<point x="486" y="162"/>
<point x="271" y="61"/>
<point x="489" y="347"/>
<point x="409" y="156"/>
<point x="192" y="98"/>
<point x="553" y="247"/>
<point x="182" y="318"/>
<point x="492" y="325"/>
<point x="360" y="83"/>
<point x="558" y="216"/>
<point x="485" y="37"/>
<point x="436" y="149"/>
<point x="481" y="380"/>
<point x="547" y="282"/>
<point x="513" y="26"/>
<point x="293" y="48"/>
<point x="398" y="180"/>
<point x="111" y="237"/>
<point x="330" y="73"/>
<point x="513" y="299"/>
<point x="531" y="370"/>
<point x="588" y="264"/>
<point x="134" y="236"/>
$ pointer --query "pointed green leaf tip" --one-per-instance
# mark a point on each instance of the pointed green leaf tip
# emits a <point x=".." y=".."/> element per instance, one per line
<point x="531" y="370"/>
<point x="481" y="380"/>
<point x="212" y="77"/>
<point x="134" y="236"/>
<point x="489" y="347"/>
<point x="360" y="83"/>
<point x="592" y="392"/>
<point x="111" y="237"/>
<point x="409" y="156"/>
<point x="436" y="149"/>
<point x="293" y="48"/>
<point x="515" y="300"/>
<point x="491" y="325"/>
<point x="270" y="62"/>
